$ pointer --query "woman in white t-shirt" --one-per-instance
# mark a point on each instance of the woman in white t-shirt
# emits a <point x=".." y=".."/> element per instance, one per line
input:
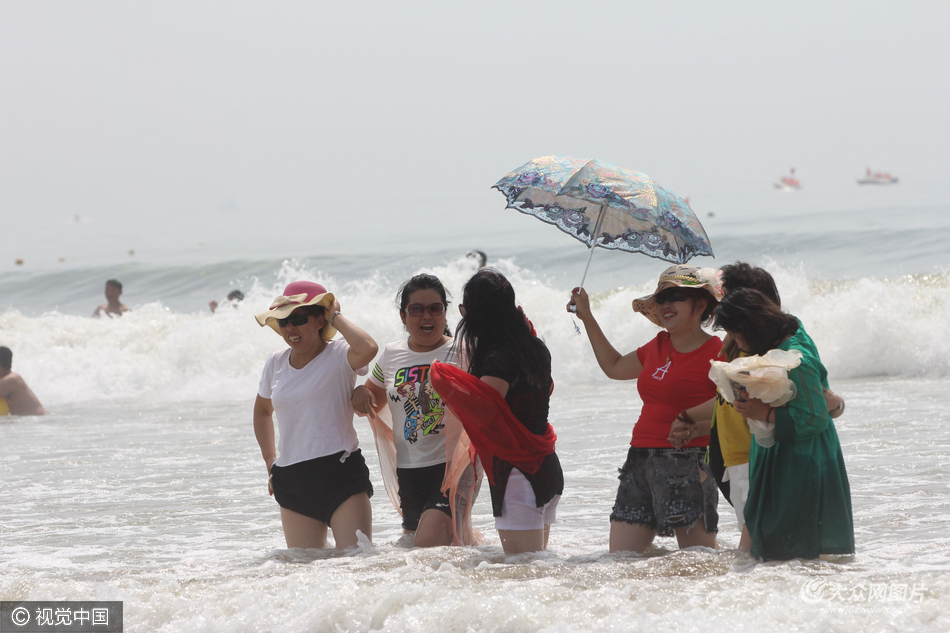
<point x="400" y="378"/>
<point x="319" y="477"/>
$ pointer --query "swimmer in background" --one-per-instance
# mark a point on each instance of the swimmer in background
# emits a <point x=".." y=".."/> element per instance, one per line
<point x="112" y="307"/>
<point x="16" y="398"/>
<point x="234" y="297"/>
<point x="479" y="256"/>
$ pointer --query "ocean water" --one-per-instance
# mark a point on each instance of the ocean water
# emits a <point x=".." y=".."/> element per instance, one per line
<point x="145" y="482"/>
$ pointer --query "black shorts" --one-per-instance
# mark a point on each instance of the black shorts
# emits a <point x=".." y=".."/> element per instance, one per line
<point x="420" y="489"/>
<point x="317" y="487"/>
<point x="665" y="489"/>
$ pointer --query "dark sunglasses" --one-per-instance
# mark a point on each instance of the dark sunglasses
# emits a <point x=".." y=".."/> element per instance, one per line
<point x="416" y="309"/>
<point x="294" y="319"/>
<point x="670" y="297"/>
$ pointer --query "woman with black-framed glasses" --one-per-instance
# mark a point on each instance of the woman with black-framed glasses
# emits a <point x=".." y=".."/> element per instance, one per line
<point x="319" y="478"/>
<point x="665" y="486"/>
<point x="421" y="433"/>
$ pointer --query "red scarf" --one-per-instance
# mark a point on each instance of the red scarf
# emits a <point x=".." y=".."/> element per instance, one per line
<point x="489" y="422"/>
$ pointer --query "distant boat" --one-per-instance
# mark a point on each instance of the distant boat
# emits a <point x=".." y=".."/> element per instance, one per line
<point x="788" y="183"/>
<point x="877" y="178"/>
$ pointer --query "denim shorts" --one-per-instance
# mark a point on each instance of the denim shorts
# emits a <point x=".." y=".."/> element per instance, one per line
<point x="665" y="489"/>
<point x="317" y="487"/>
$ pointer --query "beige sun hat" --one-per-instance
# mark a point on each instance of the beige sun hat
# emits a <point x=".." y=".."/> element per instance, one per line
<point x="682" y="276"/>
<point x="296" y="295"/>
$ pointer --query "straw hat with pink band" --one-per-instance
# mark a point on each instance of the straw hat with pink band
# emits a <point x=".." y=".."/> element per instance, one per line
<point x="682" y="276"/>
<point x="297" y="295"/>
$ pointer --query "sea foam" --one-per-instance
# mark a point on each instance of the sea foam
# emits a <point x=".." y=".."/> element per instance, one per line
<point x="863" y="327"/>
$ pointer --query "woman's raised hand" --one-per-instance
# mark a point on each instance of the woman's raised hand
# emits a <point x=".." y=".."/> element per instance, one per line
<point x="581" y="303"/>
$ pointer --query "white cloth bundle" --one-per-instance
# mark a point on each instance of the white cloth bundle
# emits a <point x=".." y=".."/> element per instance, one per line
<point x="763" y="377"/>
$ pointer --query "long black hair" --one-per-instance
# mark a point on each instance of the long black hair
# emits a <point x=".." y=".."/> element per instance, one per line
<point x="492" y="320"/>
<point x="756" y="318"/>
<point x="422" y="281"/>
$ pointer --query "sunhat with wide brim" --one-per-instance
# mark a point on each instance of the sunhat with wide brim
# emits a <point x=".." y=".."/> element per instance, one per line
<point x="297" y="295"/>
<point x="682" y="276"/>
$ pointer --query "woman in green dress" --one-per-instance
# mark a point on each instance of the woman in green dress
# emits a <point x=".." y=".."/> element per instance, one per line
<point x="799" y="503"/>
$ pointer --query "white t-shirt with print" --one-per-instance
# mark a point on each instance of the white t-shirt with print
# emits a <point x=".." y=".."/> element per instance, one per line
<point x="312" y="404"/>
<point x="417" y="410"/>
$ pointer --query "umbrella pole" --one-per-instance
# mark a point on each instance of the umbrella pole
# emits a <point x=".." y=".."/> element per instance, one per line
<point x="590" y="256"/>
<point x="593" y="245"/>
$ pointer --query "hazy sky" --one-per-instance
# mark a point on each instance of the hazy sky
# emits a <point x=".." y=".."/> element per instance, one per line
<point x="143" y="114"/>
